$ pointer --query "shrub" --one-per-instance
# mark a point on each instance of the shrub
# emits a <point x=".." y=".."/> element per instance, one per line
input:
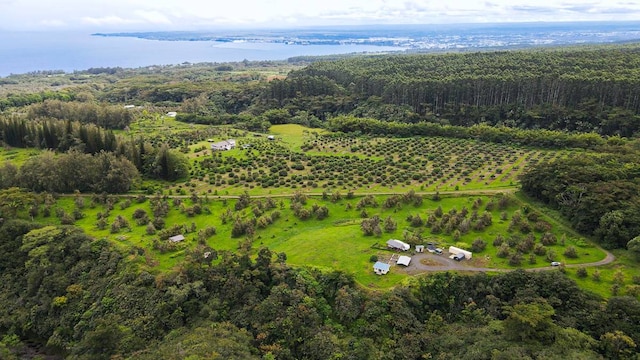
<point x="571" y="252"/>
<point x="478" y="245"/>
<point x="373" y="258"/>
<point x="503" y="251"/>
<point x="548" y="239"/>
<point x="151" y="230"/>
<point x="416" y="221"/>
<point x="390" y="224"/>
<point x="139" y="213"/>
<point x="551" y="255"/>
<point x="539" y="250"/>
<point x="515" y="259"/>
<point x="582" y="272"/>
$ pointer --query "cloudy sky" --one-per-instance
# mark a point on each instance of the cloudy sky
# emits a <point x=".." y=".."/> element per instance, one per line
<point x="210" y="14"/>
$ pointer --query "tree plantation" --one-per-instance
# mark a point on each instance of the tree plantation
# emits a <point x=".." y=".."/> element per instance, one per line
<point x="128" y="232"/>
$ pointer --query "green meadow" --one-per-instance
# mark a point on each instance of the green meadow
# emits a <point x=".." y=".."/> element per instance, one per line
<point x="336" y="242"/>
<point x="467" y="190"/>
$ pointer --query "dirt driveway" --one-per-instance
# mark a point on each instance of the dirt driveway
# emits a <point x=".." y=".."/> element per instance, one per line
<point x="427" y="262"/>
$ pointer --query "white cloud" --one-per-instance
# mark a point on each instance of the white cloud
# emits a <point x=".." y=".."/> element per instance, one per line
<point x="53" y="23"/>
<point x="106" y="21"/>
<point x="153" y="17"/>
<point x="189" y="14"/>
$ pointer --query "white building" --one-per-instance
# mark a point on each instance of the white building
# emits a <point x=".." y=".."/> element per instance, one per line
<point x="398" y="245"/>
<point x="403" y="260"/>
<point x="176" y="238"/>
<point x="455" y="251"/>
<point x="380" y="268"/>
<point x="224" y="145"/>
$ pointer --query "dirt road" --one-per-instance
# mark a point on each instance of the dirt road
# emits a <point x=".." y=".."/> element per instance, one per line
<point x="427" y="262"/>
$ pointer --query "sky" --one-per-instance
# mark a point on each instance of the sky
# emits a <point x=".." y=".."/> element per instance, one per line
<point x="128" y="15"/>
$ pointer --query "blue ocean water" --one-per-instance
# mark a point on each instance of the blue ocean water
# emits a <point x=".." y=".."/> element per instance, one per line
<point x="22" y="52"/>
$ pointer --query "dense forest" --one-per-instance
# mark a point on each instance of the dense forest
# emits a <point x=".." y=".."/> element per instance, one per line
<point x="82" y="299"/>
<point x="576" y="90"/>
<point x="69" y="295"/>
<point x="581" y="89"/>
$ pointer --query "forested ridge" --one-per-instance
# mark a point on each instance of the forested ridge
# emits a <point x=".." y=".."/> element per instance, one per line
<point x="577" y="89"/>
<point x="82" y="299"/>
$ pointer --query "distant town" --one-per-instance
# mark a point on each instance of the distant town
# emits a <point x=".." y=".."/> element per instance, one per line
<point x="427" y="37"/>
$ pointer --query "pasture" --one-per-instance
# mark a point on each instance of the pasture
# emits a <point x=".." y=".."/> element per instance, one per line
<point x="451" y="192"/>
<point x="335" y="242"/>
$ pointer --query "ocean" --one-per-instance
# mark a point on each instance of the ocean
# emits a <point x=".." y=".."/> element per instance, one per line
<point x="23" y="52"/>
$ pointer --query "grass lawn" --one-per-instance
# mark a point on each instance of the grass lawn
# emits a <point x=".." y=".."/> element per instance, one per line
<point x="624" y="272"/>
<point x="336" y="242"/>
<point x="17" y="156"/>
<point x="294" y="136"/>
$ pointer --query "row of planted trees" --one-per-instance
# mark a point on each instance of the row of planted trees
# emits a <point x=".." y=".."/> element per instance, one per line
<point x="78" y="140"/>
<point x="579" y="89"/>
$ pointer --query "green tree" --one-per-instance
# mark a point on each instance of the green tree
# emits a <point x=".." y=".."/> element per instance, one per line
<point x="530" y="322"/>
<point x="634" y="247"/>
<point x="14" y="200"/>
<point x="617" y="345"/>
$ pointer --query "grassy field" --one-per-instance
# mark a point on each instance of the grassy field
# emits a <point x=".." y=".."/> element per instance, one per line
<point x="452" y="177"/>
<point x="336" y="242"/>
<point x="17" y="157"/>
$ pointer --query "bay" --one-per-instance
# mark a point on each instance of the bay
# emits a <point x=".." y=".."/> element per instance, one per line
<point x="22" y="52"/>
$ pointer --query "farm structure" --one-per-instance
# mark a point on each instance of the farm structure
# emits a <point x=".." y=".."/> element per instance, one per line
<point x="224" y="145"/>
<point x="404" y="260"/>
<point x="176" y="238"/>
<point x="172" y="114"/>
<point x="457" y="251"/>
<point x="381" y="268"/>
<point x="398" y="245"/>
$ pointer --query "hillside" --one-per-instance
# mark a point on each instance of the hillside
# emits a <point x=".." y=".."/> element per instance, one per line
<point x="523" y="158"/>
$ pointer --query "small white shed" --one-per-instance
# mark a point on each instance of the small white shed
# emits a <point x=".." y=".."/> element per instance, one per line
<point x="404" y="260"/>
<point x="177" y="238"/>
<point x="380" y="268"/>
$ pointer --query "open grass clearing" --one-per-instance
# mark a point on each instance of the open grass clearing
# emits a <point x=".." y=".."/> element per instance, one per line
<point x="336" y="242"/>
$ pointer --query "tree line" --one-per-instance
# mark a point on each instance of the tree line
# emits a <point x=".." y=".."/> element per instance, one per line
<point x="157" y="161"/>
<point x="577" y="89"/>
<point x="105" y="116"/>
<point x="598" y="193"/>
<point x="497" y="134"/>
